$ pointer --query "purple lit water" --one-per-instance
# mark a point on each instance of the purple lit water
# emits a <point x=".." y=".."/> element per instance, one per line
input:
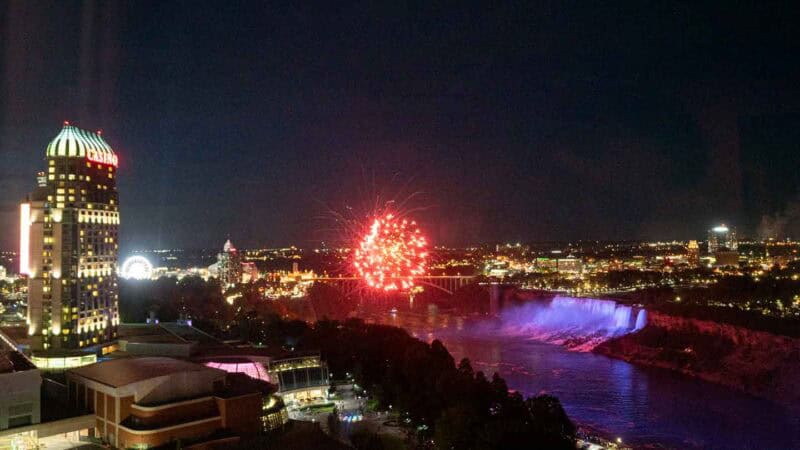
<point x="578" y="323"/>
<point x="648" y="408"/>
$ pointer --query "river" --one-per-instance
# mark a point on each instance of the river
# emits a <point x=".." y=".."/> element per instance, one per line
<point x="647" y="408"/>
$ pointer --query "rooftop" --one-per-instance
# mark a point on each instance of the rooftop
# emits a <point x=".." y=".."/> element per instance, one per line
<point x="127" y="330"/>
<point x="241" y="384"/>
<point x="122" y="372"/>
<point x="148" y="333"/>
<point x="77" y="142"/>
<point x="14" y="361"/>
<point x="189" y="333"/>
<point x="169" y="332"/>
<point x="274" y="353"/>
<point x="18" y="335"/>
<point x="10" y="359"/>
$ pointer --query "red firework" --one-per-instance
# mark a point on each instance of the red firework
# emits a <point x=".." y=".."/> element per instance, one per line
<point x="391" y="254"/>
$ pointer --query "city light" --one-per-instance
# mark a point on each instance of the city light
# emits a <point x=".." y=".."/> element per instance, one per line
<point x="136" y="268"/>
<point x="102" y="157"/>
<point x="24" y="238"/>
<point x="496" y="234"/>
<point x="250" y="368"/>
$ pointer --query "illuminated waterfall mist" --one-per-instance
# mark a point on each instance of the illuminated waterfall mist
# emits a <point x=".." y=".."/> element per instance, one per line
<point x="577" y="323"/>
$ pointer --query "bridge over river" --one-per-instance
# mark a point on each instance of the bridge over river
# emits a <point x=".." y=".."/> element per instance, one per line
<point x="446" y="283"/>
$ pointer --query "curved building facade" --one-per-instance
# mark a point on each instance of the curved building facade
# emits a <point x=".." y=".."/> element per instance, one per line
<point x="300" y="379"/>
<point x="68" y="248"/>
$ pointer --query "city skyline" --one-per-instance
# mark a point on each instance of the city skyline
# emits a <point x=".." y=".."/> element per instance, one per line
<point x="405" y="225"/>
<point x="541" y="126"/>
<point x="701" y="237"/>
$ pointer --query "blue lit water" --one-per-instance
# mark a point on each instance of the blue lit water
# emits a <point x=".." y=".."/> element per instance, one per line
<point x="648" y="408"/>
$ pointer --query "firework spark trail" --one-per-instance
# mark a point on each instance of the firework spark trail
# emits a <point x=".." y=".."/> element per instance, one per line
<point x="391" y="254"/>
<point x="406" y="249"/>
<point x="347" y="226"/>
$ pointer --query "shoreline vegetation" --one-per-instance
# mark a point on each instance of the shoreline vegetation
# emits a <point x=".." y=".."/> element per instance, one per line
<point x="757" y="362"/>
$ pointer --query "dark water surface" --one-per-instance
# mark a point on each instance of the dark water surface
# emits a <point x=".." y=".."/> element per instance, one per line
<point x="645" y="407"/>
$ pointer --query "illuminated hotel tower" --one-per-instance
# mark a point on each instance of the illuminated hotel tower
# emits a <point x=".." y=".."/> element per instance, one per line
<point x="721" y="238"/>
<point x="68" y="249"/>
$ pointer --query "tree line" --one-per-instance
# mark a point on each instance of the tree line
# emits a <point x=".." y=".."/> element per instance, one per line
<point x="451" y="405"/>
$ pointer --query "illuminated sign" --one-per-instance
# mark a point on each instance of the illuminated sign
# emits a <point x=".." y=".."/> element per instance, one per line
<point x="24" y="238"/>
<point x="101" y="157"/>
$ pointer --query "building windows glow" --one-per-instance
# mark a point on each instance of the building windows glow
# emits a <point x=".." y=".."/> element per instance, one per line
<point x="65" y="227"/>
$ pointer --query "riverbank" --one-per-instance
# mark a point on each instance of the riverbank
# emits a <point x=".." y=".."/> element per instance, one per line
<point x="756" y="362"/>
<point x="647" y="408"/>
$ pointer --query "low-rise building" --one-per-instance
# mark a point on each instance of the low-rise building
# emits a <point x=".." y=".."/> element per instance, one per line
<point x="726" y="258"/>
<point x="151" y="401"/>
<point x="273" y="413"/>
<point x="20" y="387"/>
<point x="300" y="379"/>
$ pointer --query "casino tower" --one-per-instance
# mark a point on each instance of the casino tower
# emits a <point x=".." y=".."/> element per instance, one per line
<point x="68" y="249"/>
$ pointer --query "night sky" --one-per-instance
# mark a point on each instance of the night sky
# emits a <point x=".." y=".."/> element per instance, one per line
<point x="520" y="122"/>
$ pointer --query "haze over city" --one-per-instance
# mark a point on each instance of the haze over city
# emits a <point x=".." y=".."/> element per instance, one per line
<point x="520" y="122"/>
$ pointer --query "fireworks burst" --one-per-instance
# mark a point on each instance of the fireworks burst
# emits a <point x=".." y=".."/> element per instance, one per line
<point x="391" y="253"/>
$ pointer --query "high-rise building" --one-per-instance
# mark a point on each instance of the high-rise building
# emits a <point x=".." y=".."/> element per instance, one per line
<point x="68" y="250"/>
<point x="693" y="254"/>
<point x="722" y="237"/>
<point x="229" y="266"/>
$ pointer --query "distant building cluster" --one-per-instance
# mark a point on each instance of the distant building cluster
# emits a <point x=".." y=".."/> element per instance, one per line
<point x="599" y="268"/>
<point x="723" y="246"/>
<point x="722" y="237"/>
<point x="231" y="267"/>
<point x="228" y="269"/>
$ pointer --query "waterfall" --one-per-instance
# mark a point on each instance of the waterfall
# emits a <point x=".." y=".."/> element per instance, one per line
<point x="641" y="320"/>
<point x="577" y="323"/>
